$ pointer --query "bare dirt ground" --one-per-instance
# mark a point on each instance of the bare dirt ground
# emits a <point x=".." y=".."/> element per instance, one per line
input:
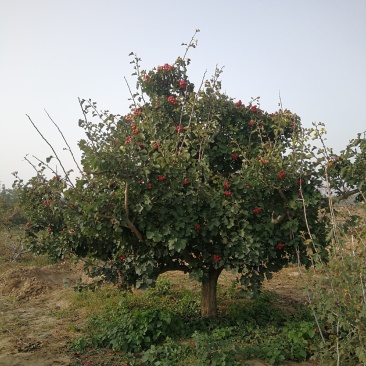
<point x="37" y="322"/>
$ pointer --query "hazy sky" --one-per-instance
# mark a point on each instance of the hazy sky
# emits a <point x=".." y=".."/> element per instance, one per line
<point x="51" y="52"/>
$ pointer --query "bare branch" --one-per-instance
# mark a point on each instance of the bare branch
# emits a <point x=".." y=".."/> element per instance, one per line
<point x="53" y="150"/>
<point x="129" y="88"/>
<point x="63" y="137"/>
<point x="34" y="167"/>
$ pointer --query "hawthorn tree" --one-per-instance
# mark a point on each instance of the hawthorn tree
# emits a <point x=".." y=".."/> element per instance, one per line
<point x="189" y="180"/>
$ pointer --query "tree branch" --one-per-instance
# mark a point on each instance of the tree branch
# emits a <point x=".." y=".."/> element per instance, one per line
<point x="63" y="137"/>
<point x="129" y="223"/>
<point x="53" y="150"/>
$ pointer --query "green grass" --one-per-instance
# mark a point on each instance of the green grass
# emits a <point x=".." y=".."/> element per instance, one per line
<point x="162" y="326"/>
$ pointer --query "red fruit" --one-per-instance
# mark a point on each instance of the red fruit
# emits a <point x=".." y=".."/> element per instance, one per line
<point x="172" y="100"/>
<point x="186" y="181"/>
<point x="182" y="84"/>
<point x="161" y="178"/>
<point x="122" y="258"/>
<point x="234" y="156"/>
<point x="216" y="258"/>
<point x="253" y="108"/>
<point x="128" y="118"/>
<point x="247" y="185"/>
<point x="149" y="186"/>
<point x="27" y="225"/>
<point x="137" y="111"/>
<point x="251" y="123"/>
<point x="257" y="210"/>
<point x="135" y="132"/>
<point x="156" y="145"/>
<point x="146" y="78"/>
<point x="167" y="67"/>
<point x="281" y="174"/>
<point x="239" y="103"/>
<point x="227" y="185"/>
<point x="280" y="246"/>
<point x="227" y="193"/>
<point x="197" y="227"/>
<point x="179" y="129"/>
<point x="72" y="231"/>
<point x="128" y="140"/>
<point x="49" y="229"/>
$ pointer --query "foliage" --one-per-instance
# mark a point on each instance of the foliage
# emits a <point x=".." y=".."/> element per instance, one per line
<point x="11" y="219"/>
<point x="188" y="180"/>
<point x="132" y="331"/>
<point x="11" y="214"/>
<point x="232" y="339"/>
<point x="338" y="295"/>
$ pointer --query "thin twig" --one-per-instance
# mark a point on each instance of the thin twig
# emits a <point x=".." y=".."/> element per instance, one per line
<point x="63" y="137"/>
<point x="53" y="150"/>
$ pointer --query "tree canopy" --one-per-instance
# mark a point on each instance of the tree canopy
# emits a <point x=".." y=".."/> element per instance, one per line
<point x="189" y="179"/>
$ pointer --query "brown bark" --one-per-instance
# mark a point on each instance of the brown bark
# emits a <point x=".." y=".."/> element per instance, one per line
<point x="209" y="285"/>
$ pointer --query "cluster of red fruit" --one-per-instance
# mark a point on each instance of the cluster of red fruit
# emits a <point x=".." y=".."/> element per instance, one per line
<point x="137" y="111"/>
<point x="280" y="246"/>
<point x="156" y="145"/>
<point x="186" y="182"/>
<point x="262" y="161"/>
<point x="281" y="174"/>
<point x="182" y="84"/>
<point x="197" y="227"/>
<point x="47" y="202"/>
<point x="253" y="108"/>
<point x="227" y="192"/>
<point x="234" y="156"/>
<point x="217" y="258"/>
<point x="128" y="140"/>
<point x="135" y="131"/>
<point x="257" y="210"/>
<point x="161" y="178"/>
<point x="166" y="67"/>
<point x="172" y="100"/>
<point x="239" y="103"/>
<point x="179" y="129"/>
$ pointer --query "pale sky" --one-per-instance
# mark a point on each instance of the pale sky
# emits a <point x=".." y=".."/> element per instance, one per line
<point x="51" y="52"/>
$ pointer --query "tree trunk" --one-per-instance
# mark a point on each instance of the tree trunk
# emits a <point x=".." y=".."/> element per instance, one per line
<point x="209" y="285"/>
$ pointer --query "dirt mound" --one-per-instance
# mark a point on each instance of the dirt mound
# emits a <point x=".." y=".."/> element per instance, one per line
<point x="29" y="282"/>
